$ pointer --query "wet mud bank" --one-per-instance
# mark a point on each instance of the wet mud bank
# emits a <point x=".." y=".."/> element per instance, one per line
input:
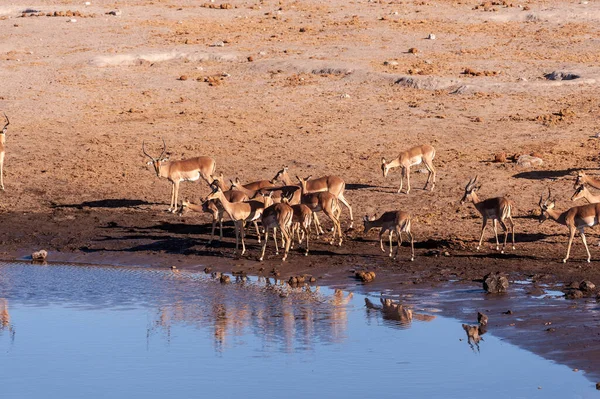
<point x="533" y="314"/>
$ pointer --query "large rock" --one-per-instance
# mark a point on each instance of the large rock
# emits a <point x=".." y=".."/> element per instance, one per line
<point x="495" y="283"/>
<point x="528" y="161"/>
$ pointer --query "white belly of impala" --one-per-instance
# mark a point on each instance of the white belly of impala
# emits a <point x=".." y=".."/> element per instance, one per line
<point x="416" y="161"/>
<point x="588" y="221"/>
<point x="190" y="178"/>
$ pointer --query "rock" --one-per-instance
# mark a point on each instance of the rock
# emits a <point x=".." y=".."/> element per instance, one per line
<point x="390" y="63"/>
<point x="312" y="280"/>
<point x="587" y="286"/>
<point x="528" y="161"/>
<point x="365" y="277"/>
<point x="536" y="154"/>
<point x="116" y="13"/>
<point x="207" y="270"/>
<point x="495" y="283"/>
<point x="183" y="77"/>
<point x="218" y="44"/>
<point x="39" y="256"/>
<point x="413" y="50"/>
<point x="598" y="386"/>
<point x="508" y="312"/>
<point x="173" y="267"/>
<point x="572" y="293"/>
<point x="431" y="36"/>
<point x="250" y="58"/>
<point x="560" y="75"/>
<point x="225" y="279"/>
<point x="482" y="319"/>
<point x="500" y="157"/>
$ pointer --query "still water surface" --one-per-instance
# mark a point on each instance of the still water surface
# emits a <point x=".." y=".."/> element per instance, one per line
<point x="112" y="332"/>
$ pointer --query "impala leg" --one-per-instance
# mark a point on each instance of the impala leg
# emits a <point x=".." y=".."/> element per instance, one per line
<point x="407" y="180"/>
<point x="214" y="225"/>
<point x="275" y="238"/>
<point x="344" y="201"/>
<point x="257" y="230"/>
<point x="512" y="229"/>
<point x="176" y="195"/>
<point x="171" y="207"/>
<point x="264" y="245"/>
<point x="431" y="169"/>
<point x="288" y="242"/>
<point x="237" y="225"/>
<point x="307" y="231"/>
<point x="391" y="236"/>
<point x="318" y="224"/>
<point x="495" y="225"/>
<point x="401" y="180"/>
<point x="243" y="234"/>
<point x="2" y="171"/>
<point x="399" y="239"/>
<point x="381" y="240"/>
<point x="220" y="227"/>
<point x="412" y="245"/>
<point x="571" y="235"/>
<point x="503" y="224"/>
<point x="482" y="231"/>
<point x="581" y="232"/>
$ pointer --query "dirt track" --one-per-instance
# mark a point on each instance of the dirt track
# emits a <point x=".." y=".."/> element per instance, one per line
<point x="311" y="85"/>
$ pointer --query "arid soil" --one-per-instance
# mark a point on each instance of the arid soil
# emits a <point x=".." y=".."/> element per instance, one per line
<point x="321" y="87"/>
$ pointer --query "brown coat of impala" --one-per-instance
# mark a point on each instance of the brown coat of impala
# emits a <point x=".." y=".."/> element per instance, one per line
<point x="332" y="184"/>
<point x="413" y="156"/>
<point x="498" y="209"/>
<point x="583" y="192"/>
<point x="583" y="178"/>
<point x="395" y="222"/>
<point x="576" y="219"/>
<point x="323" y="201"/>
<point x="278" y="216"/>
<point x="178" y="171"/>
<point x="2" y="148"/>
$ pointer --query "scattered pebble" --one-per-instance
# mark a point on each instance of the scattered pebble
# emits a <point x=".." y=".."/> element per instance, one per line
<point x="116" y="13"/>
<point x="72" y="20"/>
<point x="39" y="256"/>
<point x="365" y="277"/>
<point x="225" y="279"/>
<point x="413" y="50"/>
<point x="431" y="36"/>
<point x="390" y="63"/>
<point x="218" y="44"/>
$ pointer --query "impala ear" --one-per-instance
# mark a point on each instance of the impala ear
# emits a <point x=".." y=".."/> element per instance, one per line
<point x="149" y="162"/>
<point x="308" y="178"/>
<point x="299" y="179"/>
<point x="231" y="182"/>
<point x="285" y="168"/>
<point x="478" y="187"/>
<point x="372" y="218"/>
<point x="221" y="175"/>
<point x="383" y="161"/>
<point x="366" y="218"/>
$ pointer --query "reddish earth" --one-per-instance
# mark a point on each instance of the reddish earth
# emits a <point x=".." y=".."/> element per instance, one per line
<point x="324" y="88"/>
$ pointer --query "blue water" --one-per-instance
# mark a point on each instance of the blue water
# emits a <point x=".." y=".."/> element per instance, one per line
<point x="108" y="332"/>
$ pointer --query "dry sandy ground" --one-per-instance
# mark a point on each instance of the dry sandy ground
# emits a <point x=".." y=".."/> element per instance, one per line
<point x="322" y="87"/>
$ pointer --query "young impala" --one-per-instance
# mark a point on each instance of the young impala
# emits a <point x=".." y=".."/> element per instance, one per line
<point x="498" y="209"/>
<point x="177" y="171"/>
<point x="278" y="216"/>
<point x="413" y="156"/>
<point x="2" y="141"/>
<point x="240" y="213"/>
<point x="576" y="219"/>
<point x="332" y="184"/>
<point x="301" y="222"/>
<point x="323" y="201"/>
<point x="395" y="222"/>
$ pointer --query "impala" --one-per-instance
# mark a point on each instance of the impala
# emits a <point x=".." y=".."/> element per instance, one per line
<point x="278" y="216"/>
<point x="583" y="192"/>
<point x="292" y="193"/>
<point x="240" y="213"/>
<point x="301" y="220"/>
<point x="332" y="184"/>
<point x="583" y="178"/>
<point x="323" y="201"/>
<point x="413" y="156"/>
<point x="177" y="171"/>
<point x="498" y="209"/>
<point x="2" y="141"/>
<point x="395" y="222"/>
<point x="576" y="219"/>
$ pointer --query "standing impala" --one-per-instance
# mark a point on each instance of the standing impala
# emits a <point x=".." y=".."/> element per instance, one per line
<point x="323" y="201"/>
<point x="498" y="209"/>
<point x="395" y="222"/>
<point x="332" y="184"/>
<point x="177" y="171"/>
<point x="576" y="219"/>
<point x="2" y="141"/>
<point x="414" y="156"/>
<point x="278" y="216"/>
<point x="240" y="213"/>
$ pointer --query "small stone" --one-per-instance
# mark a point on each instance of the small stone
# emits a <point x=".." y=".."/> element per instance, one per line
<point x="250" y="59"/>
<point x="598" y="386"/>
<point x="572" y="293"/>
<point x="173" y="267"/>
<point x="431" y="36"/>
<point x="528" y="161"/>
<point x="72" y="20"/>
<point x="312" y="280"/>
<point x="482" y="318"/>
<point x="116" y="13"/>
<point x="218" y="44"/>
<point x="495" y="283"/>
<point x="508" y="312"/>
<point x="183" y="77"/>
<point x="446" y="253"/>
<point x="365" y="277"/>
<point x="39" y="256"/>
<point x="391" y="63"/>
<point x="225" y="279"/>
<point x="207" y="270"/>
<point x="413" y="50"/>
<point x="587" y="286"/>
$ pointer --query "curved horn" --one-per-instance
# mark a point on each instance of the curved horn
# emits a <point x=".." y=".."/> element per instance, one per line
<point x="164" y="148"/>
<point x="7" y="122"/>
<point x="541" y="199"/>
<point x="145" y="153"/>
<point x="549" y="194"/>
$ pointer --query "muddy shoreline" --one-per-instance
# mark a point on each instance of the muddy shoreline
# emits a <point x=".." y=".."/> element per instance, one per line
<point x="548" y="325"/>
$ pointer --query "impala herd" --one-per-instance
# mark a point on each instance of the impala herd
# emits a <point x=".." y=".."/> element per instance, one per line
<point x="292" y="207"/>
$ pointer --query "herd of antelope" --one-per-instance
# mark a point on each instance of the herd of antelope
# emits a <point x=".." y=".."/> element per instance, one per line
<point x="280" y="204"/>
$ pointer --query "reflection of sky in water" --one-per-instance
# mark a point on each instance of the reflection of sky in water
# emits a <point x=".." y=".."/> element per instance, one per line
<point x="93" y="332"/>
